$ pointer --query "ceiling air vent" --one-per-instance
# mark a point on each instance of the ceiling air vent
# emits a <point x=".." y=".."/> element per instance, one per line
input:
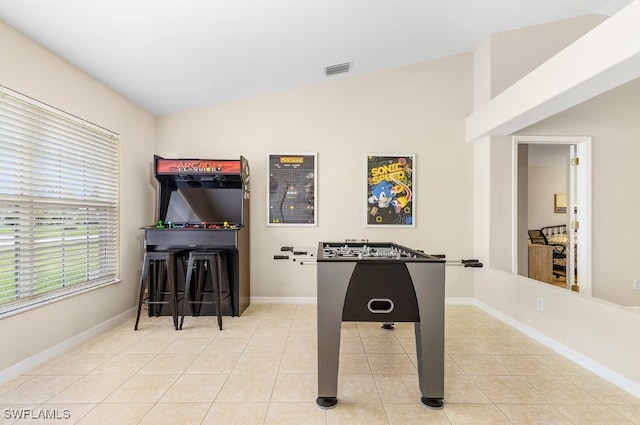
<point x="339" y="68"/>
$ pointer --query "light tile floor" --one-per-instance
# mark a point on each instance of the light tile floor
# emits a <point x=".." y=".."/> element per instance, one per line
<point x="261" y="369"/>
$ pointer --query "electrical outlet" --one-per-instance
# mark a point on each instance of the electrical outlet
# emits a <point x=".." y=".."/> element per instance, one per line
<point x="540" y="304"/>
<point x="636" y="284"/>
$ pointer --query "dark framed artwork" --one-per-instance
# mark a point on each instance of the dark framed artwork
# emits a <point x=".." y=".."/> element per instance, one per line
<point x="292" y="189"/>
<point x="391" y="190"/>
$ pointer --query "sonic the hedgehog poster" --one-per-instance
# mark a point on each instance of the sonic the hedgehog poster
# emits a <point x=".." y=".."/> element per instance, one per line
<point x="390" y="190"/>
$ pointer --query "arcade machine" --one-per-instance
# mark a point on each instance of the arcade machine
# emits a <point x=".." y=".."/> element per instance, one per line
<point x="203" y="204"/>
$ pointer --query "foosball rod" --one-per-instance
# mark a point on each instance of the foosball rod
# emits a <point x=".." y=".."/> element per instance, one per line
<point x="464" y="263"/>
<point x="299" y="250"/>
<point x="295" y="254"/>
<point x="454" y="263"/>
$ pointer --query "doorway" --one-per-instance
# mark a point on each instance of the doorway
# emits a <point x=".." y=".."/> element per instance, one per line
<point x="557" y="201"/>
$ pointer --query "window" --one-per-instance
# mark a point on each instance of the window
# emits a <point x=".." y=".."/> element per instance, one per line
<point x="58" y="203"/>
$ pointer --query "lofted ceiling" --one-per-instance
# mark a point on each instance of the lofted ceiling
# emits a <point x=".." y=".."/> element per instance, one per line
<point x="172" y="55"/>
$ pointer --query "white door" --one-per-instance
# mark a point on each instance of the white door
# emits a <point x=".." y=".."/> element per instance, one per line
<point x="573" y="223"/>
<point x="579" y="204"/>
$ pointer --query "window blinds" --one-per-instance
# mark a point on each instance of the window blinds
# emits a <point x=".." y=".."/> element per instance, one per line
<point x="58" y="203"/>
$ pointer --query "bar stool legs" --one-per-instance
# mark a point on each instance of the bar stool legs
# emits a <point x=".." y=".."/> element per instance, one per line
<point x="211" y="259"/>
<point x="158" y="269"/>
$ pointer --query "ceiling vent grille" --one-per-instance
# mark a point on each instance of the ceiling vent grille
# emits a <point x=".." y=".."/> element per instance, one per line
<point x="339" y="68"/>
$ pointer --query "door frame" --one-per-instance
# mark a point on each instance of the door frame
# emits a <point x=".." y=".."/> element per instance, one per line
<point x="583" y="148"/>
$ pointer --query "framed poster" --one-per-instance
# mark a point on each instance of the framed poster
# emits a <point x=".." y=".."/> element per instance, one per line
<point x="390" y="190"/>
<point x="560" y="203"/>
<point x="291" y="188"/>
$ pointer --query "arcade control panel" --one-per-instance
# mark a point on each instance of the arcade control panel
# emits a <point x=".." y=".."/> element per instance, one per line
<point x="201" y="225"/>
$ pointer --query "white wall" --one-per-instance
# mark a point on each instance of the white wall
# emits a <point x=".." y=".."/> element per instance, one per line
<point x="501" y="206"/>
<point x="599" y="334"/>
<point x="418" y="109"/>
<point x="612" y="120"/>
<point x="530" y="48"/>
<point x="547" y="175"/>
<point x="544" y="183"/>
<point x="32" y="70"/>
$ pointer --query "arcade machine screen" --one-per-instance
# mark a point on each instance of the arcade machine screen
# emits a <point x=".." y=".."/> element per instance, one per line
<point x="200" y="205"/>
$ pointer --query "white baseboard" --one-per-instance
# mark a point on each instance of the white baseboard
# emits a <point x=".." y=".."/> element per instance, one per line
<point x="283" y="300"/>
<point x="458" y="301"/>
<point x="32" y="362"/>
<point x="605" y="373"/>
<point x="313" y="300"/>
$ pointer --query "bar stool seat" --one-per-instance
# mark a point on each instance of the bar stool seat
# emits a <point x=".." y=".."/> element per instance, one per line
<point x="212" y="260"/>
<point x="158" y="272"/>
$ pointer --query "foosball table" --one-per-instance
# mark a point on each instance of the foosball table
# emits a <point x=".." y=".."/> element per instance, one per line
<point x="380" y="282"/>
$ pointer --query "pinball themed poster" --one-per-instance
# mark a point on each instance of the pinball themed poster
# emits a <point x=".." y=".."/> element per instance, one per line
<point x="390" y="190"/>
<point x="292" y="187"/>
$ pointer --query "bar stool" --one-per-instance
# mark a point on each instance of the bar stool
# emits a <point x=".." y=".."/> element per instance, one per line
<point x="210" y="259"/>
<point x="158" y="271"/>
